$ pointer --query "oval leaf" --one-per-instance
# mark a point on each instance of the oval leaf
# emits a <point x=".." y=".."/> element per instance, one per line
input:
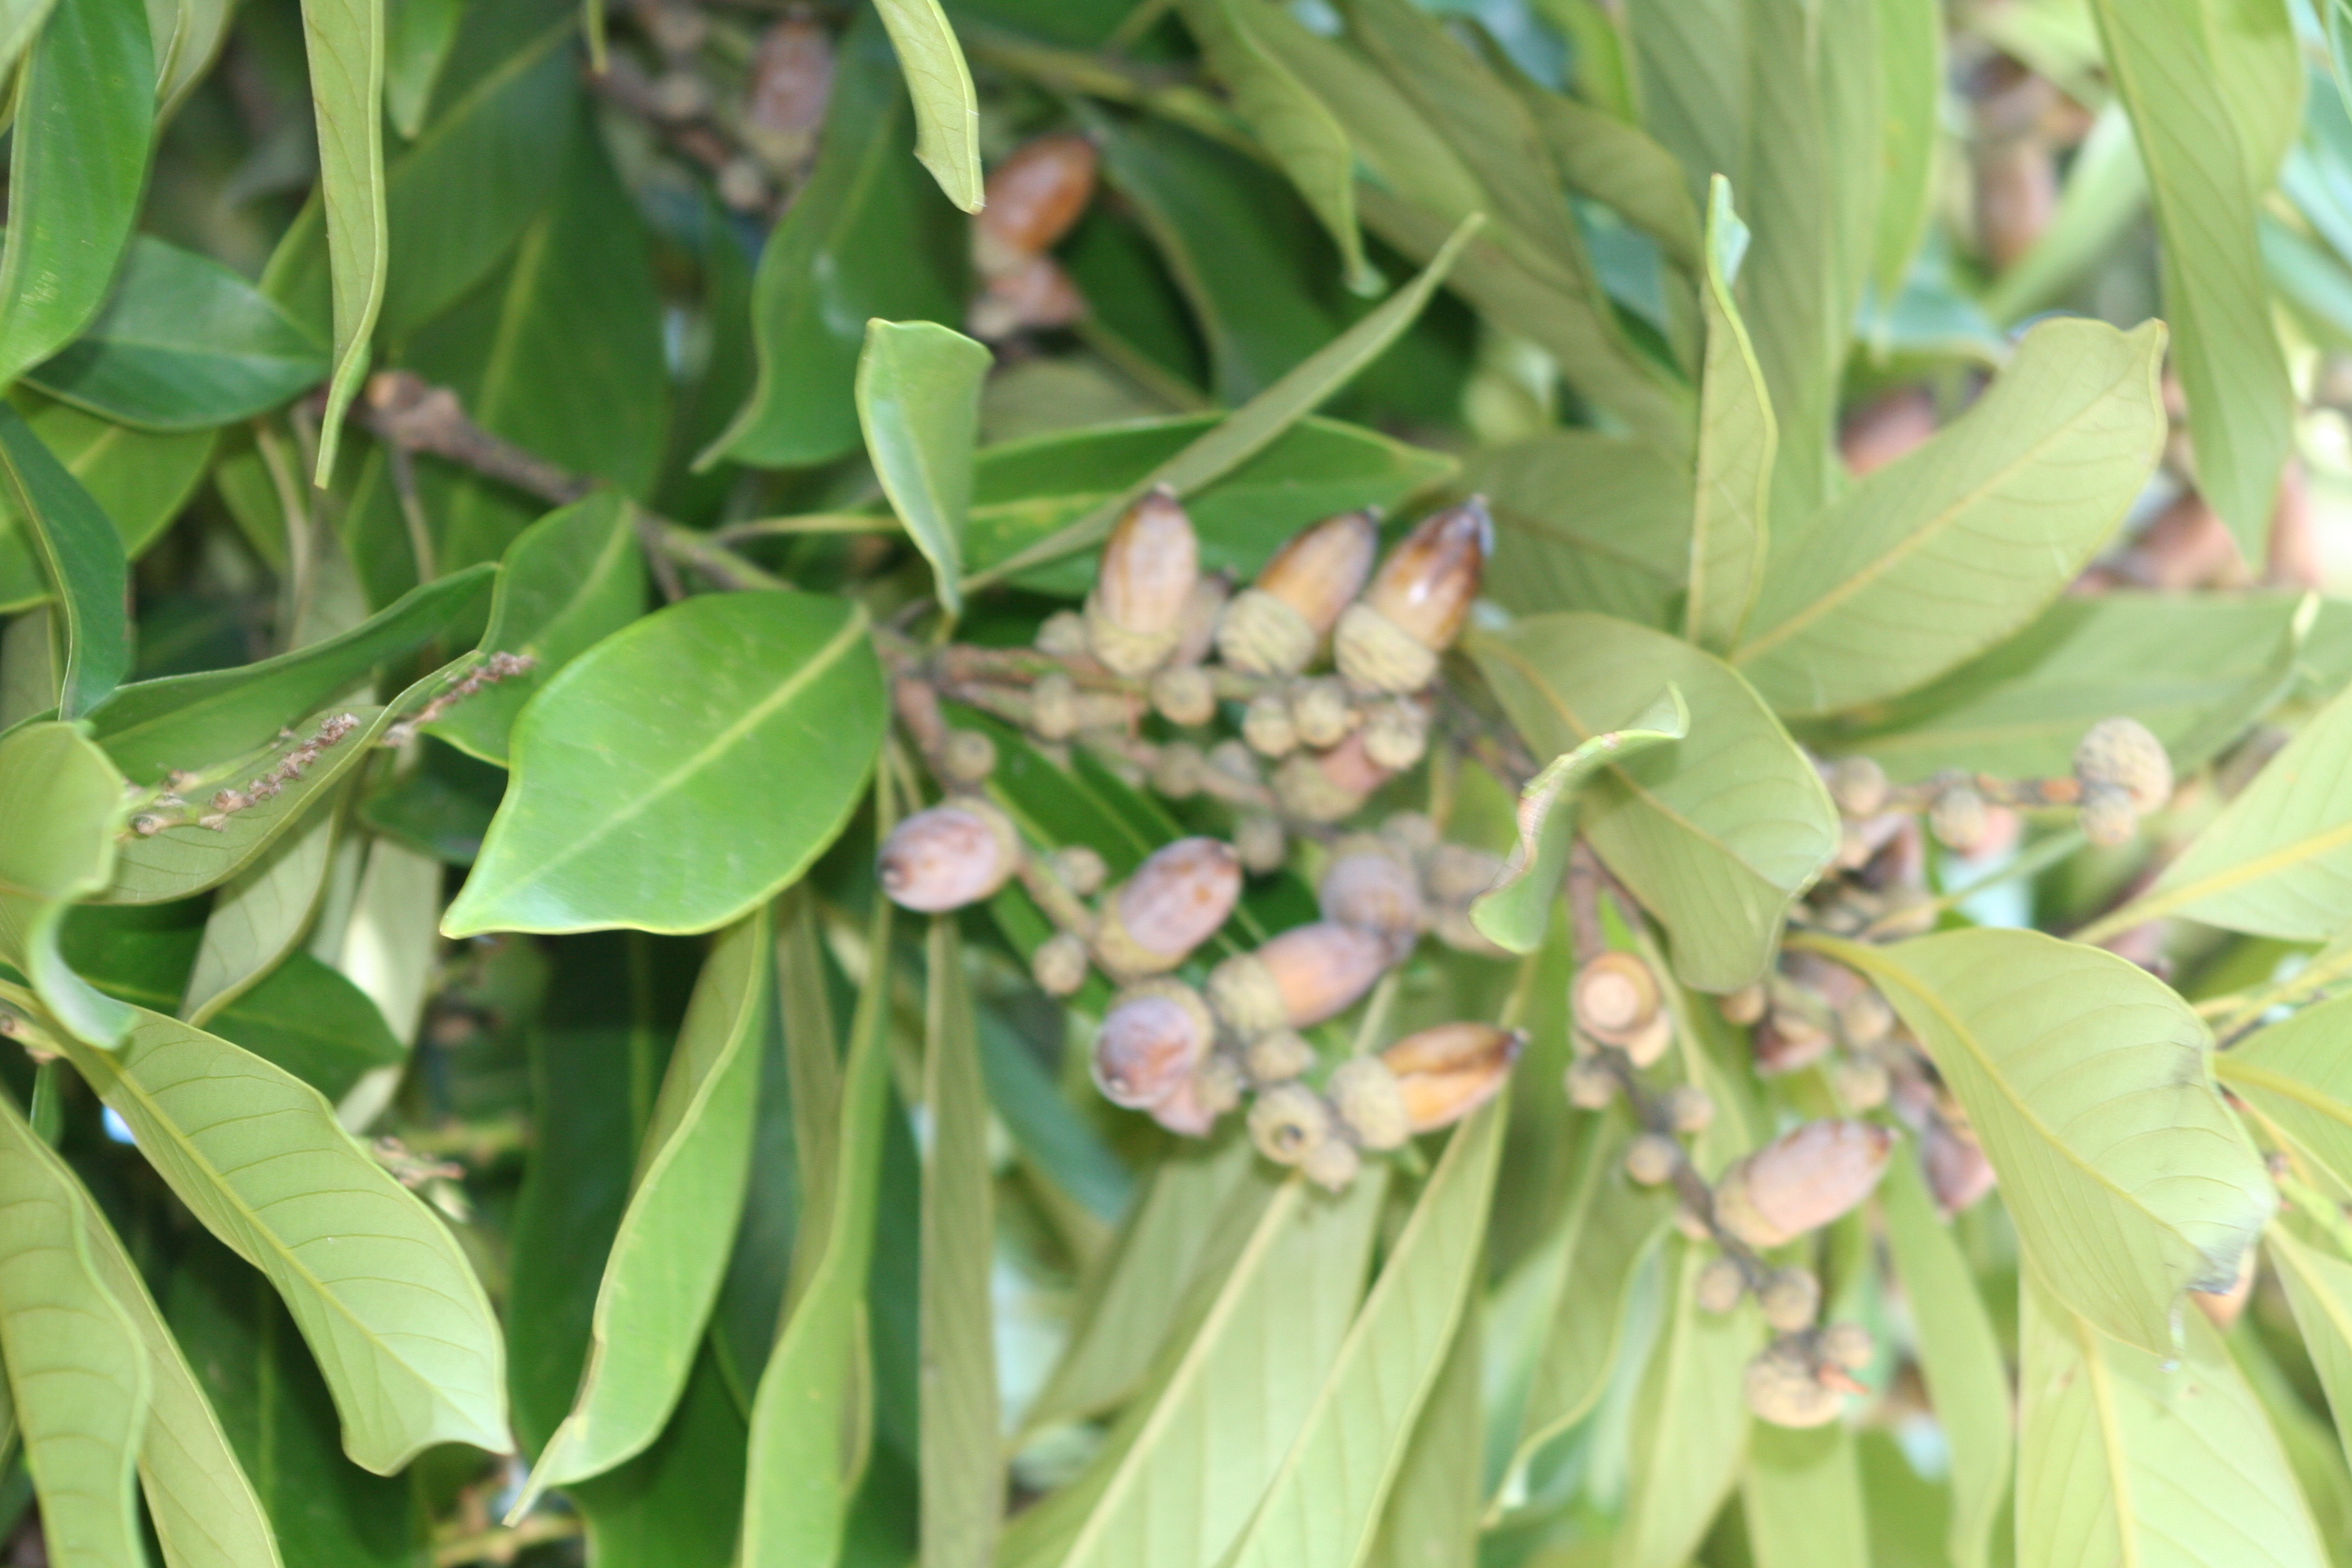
<point x="918" y="404"/>
<point x="947" y="110"/>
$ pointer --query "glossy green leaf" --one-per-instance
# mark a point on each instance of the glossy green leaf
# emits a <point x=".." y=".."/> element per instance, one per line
<point x="77" y="1371"/>
<point x="81" y="555"/>
<point x="1959" y="1355"/>
<point x="1716" y="834"/>
<point x="1515" y="912"/>
<point x="2167" y="67"/>
<point x="1911" y="74"/>
<point x="139" y="479"/>
<point x="182" y="344"/>
<point x="963" y="1473"/>
<point x="919" y="403"/>
<point x="1941" y="554"/>
<point x="1803" y="1498"/>
<point x="381" y="1289"/>
<point x="2087" y="1081"/>
<point x="864" y="239"/>
<point x="1691" y="1423"/>
<point x="62" y="803"/>
<point x="2125" y="1457"/>
<point x="574" y="578"/>
<point x="1730" y="531"/>
<point x="665" y="1268"/>
<point x="947" y="110"/>
<point x="77" y="164"/>
<point x="1586" y="521"/>
<point x="2298" y="1079"/>
<point x="625" y="807"/>
<point x="1325" y="1503"/>
<point x="417" y="37"/>
<point x="260" y="915"/>
<point x="345" y="41"/>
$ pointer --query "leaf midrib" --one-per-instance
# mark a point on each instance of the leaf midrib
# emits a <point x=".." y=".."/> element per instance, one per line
<point x="2100" y="1382"/>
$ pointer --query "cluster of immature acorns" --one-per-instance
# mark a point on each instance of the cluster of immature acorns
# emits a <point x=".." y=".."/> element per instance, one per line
<point x="1158" y="632"/>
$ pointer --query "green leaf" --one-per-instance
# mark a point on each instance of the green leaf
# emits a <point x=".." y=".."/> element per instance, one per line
<point x="2297" y="1077"/>
<point x="381" y="1289"/>
<point x="2312" y="1449"/>
<point x="1296" y="128"/>
<point x="801" y="1465"/>
<point x="1053" y="1136"/>
<point x="1729" y="530"/>
<point x="1325" y="1503"/>
<point x="2166" y="62"/>
<point x="2087" y="1081"/>
<point x="1803" y="1498"/>
<point x="183" y="344"/>
<point x="628" y="808"/>
<point x="20" y="21"/>
<point x="62" y="803"/>
<point x="83" y="558"/>
<point x="1620" y="166"/>
<point x="1690" y="60"/>
<point x="345" y="40"/>
<point x="2125" y="1457"/>
<point x="417" y="37"/>
<point x="1939" y="555"/>
<point x="1586" y="521"/>
<point x="1432" y="1515"/>
<point x="2319" y="1289"/>
<point x="1252" y="428"/>
<point x="1959" y="1356"/>
<point x="76" y="1369"/>
<point x="259" y="915"/>
<point x="84" y="113"/>
<point x="574" y="578"/>
<point x="313" y="1022"/>
<point x="665" y="1268"/>
<point x="947" y="111"/>
<point x="918" y="404"/>
<point x="1715" y="835"/>
<point x="864" y="239"/>
<point x="139" y="479"/>
<point x="963" y="1473"/>
<point x="1691" y="1425"/>
<point x="1515" y="912"/>
<point x="1911" y="77"/>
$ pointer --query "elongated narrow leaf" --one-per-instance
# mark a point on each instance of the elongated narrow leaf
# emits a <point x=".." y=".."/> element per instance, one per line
<point x="384" y="1295"/>
<point x="82" y="556"/>
<point x="1586" y="521"/>
<point x="418" y="36"/>
<point x="77" y="1371"/>
<point x="2089" y="1081"/>
<point x="1937" y="556"/>
<point x="666" y="1265"/>
<point x="2319" y="1289"/>
<point x="139" y="479"/>
<point x="85" y="116"/>
<point x="1515" y="912"/>
<point x="1802" y="1497"/>
<point x="632" y="807"/>
<point x="1715" y="834"/>
<point x="260" y="915"/>
<point x="2128" y="1458"/>
<point x="1620" y="166"/>
<point x="18" y="22"/>
<point x="60" y="807"/>
<point x="1325" y="1502"/>
<point x="947" y="110"/>
<point x="1737" y="437"/>
<point x="963" y="1476"/>
<point x="345" y="40"/>
<point x="1691" y="1427"/>
<point x="919" y="403"/>
<point x="1959" y="1355"/>
<point x="796" y="1496"/>
<point x="1911" y="76"/>
<point x="1432" y="1515"/>
<point x="2298" y="1077"/>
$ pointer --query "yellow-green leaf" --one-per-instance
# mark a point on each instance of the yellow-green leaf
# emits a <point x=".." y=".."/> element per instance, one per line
<point x="2297" y="1075"/>
<point x="1691" y="1427"/>
<point x="947" y="110"/>
<point x="1803" y="1497"/>
<point x="1730" y="532"/>
<point x="919" y="403"/>
<point x="60" y="807"/>
<point x="345" y="40"/>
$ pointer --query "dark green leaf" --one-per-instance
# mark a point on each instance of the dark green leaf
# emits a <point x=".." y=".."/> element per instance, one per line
<point x="62" y="803"/>
<point x="311" y="1020"/>
<point x="918" y="395"/>
<point x="83" y="558"/>
<point x="418" y="36"/>
<point x="138" y="478"/>
<point x="259" y="915"/>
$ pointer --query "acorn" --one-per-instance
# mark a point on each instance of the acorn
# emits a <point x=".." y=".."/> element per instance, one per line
<point x="1260" y="843"/>
<point x="1204" y="608"/>
<point x="1275" y="626"/>
<point x="1370" y="1103"/>
<point x="1858" y="785"/>
<point x="1591" y="1086"/>
<point x="1397" y="733"/>
<point x="1389" y="640"/>
<point x="1459" y="874"/>
<point x="1653" y="1158"/>
<point x="1848" y="1346"/>
<point x="1959" y="818"/>
<point x="1320" y="712"/>
<point x="1788" y="1041"/>
<point x="1185" y="1112"/>
<point x="1060" y="964"/>
<point x="1744" y="1007"/>
<point x="1325" y="786"/>
<point x="1054" y="707"/>
<point x="1690" y="1108"/>
<point x="791" y="83"/>
<point x="1298" y="978"/>
<point x="1153" y="1036"/>
<point x="1265" y="725"/>
<point x="1150" y="565"/>
<point x="1957" y="1172"/>
<point x="2107" y="816"/>
<point x="1412" y="833"/>
<point x="1368" y="888"/>
<point x="1033" y="198"/>
<point x="1032" y="294"/>
<point x="2126" y="754"/>
<point x="1279" y="1055"/>
<point x="1791" y="1298"/>
<point x="949" y="855"/>
<point x="1080" y="868"/>
<point x="1866" y="1018"/>
<point x="1185" y="695"/>
<point x="1332" y="1165"/>
<point x="1175" y="900"/>
<point x="1176" y="770"/>
<point x="1062" y="634"/>
<point x="1721" y="1283"/>
<point x="1615" y="996"/>
<point x="1289" y="1122"/>
<point x="968" y="757"/>
<point x="1449" y="1071"/>
<point x="1860" y="1083"/>
<point x="1801" y="1180"/>
<point x="1783" y="1387"/>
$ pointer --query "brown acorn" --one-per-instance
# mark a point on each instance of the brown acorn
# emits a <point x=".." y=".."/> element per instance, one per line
<point x="1298" y="978"/>
<point x="791" y="83"/>
<point x="1788" y="1041"/>
<point x="949" y="855"/>
<point x="1175" y="900"/>
<point x="1389" y="640"/>
<point x="1151" y="563"/>
<point x="1449" y="1071"/>
<point x="1210" y="1091"/>
<point x="1034" y="294"/>
<point x="1368" y="886"/>
<point x="1033" y="199"/>
<point x="1801" y="1180"/>
<point x="1151" y="1039"/>
<point x="1275" y="626"/>
<point x="1204" y="608"/>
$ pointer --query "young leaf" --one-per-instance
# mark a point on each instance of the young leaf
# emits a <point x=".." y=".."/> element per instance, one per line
<point x="345" y="40"/>
<point x="629" y="807"/>
<point x="1691" y="1427"/>
<point x="666" y="1262"/>
<point x="85" y="117"/>
<point x="1325" y="1503"/>
<point x="1729" y="531"/>
<point x="963" y="1475"/>
<point x="2127" y="1457"/>
<point x="1941" y="554"/>
<point x="2087" y="1080"/>
<point x="1514" y="911"/>
<point x="385" y="1297"/>
<point x="1716" y="834"/>
<point x="1803" y="1498"/>
<point x="83" y="558"/>
<point x="61" y="803"/>
<point x="2298" y="1077"/>
<point x="77" y="1371"/>
<point x="947" y="111"/>
<point x="919" y="403"/>
<point x="259" y="915"/>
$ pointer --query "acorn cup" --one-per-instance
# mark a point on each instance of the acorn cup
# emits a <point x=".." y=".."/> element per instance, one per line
<point x="1175" y="900"/>
<point x="1298" y="978"/>
<point x="1153" y="1037"/>
<point x="1784" y="1386"/>
<point x="1325" y="786"/>
<point x="1447" y="1071"/>
<point x="1276" y="625"/>
<point x="1033" y="198"/>
<point x="2123" y="755"/>
<point x="1801" y="1180"/>
<point x="1371" y="1102"/>
<point x="1389" y="640"/>
<point x="1152" y="562"/>
<point x="949" y="855"/>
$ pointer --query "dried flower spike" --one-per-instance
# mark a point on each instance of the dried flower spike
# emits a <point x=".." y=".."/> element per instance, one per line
<point x="1449" y="1071"/>
<point x="1801" y="1180"/>
<point x="1175" y="900"/>
<point x="1150" y="565"/>
<point x="1275" y="626"/>
<point x="1389" y="640"/>
<point x="948" y="856"/>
